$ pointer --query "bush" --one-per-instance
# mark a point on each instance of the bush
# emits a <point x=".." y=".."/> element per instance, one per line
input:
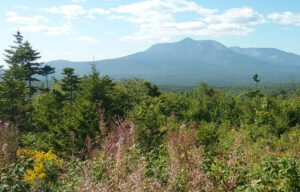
<point x="8" y="143"/>
<point x="274" y="174"/>
<point x="207" y="134"/>
<point x="12" y="177"/>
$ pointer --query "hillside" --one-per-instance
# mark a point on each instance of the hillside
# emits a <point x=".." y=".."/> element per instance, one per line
<point x="188" y="62"/>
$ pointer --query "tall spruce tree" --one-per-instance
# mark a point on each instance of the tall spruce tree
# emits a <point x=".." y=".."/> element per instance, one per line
<point x="13" y="93"/>
<point x="22" y="54"/>
<point x="30" y="64"/>
<point x="46" y="71"/>
<point x="13" y="86"/>
<point x="70" y="83"/>
<point x="11" y="55"/>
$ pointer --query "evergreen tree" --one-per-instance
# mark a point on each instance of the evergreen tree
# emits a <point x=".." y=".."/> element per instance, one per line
<point x="153" y="90"/>
<point x="11" y="56"/>
<point x="46" y="71"/>
<point x="13" y="86"/>
<point x="30" y="64"/>
<point x="70" y="83"/>
<point x="255" y="78"/>
<point x="22" y="54"/>
<point x="13" y="93"/>
<point x="96" y="88"/>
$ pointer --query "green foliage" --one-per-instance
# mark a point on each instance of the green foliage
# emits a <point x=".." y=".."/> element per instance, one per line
<point x="13" y="93"/>
<point x="46" y="71"/>
<point x="149" y="120"/>
<point x="99" y="169"/>
<point x="293" y="112"/>
<point x="255" y="78"/>
<point x="11" y="178"/>
<point x="74" y="171"/>
<point x="12" y="57"/>
<point x="207" y="134"/>
<point x="97" y="89"/>
<point x="29" y="63"/>
<point x="181" y="181"/>
<point x="153" y="90"/>
<point x="276" y="174"/>
<point x="70" y="84"/>
<point x="157" y="164"/>
<point x="40" y="141"/>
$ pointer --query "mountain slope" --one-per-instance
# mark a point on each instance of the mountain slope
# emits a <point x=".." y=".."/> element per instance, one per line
<point x="189" y="62"/>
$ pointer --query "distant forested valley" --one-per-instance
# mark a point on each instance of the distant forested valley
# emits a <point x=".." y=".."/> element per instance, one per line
<point x="90" y="132"/>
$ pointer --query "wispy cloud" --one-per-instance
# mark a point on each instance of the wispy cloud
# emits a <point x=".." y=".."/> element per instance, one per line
<point x="37" y="24"/>
<point x="65" y="29"/>
<point x="155" y="20"/>
<point x="241" y="16"/>
<point x="85" y="38"/>
<point x="73" y="11"/>
<point x="22" y="7"/>
<point x="286" y="18"/>
<point x="79" y="1"/>
<point x="14" y="17"/>
<point x="92" y="13"/>
<point x="69" y="11"/>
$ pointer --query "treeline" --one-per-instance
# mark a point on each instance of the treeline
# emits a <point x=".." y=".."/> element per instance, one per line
<point x="268" y="89"/>
<point x="91" y="133"/>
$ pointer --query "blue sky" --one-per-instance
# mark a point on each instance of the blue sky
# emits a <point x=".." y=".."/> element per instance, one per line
<point x="79" y="30"/>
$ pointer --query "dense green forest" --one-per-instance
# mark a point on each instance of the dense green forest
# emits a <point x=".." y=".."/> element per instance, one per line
<point x="269" y="89"/>
<point x="92" y="133"/>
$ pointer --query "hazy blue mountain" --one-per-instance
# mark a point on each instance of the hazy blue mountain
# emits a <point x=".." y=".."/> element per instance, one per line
<point x="270" y="55"/>
<point x="190" y="61"/>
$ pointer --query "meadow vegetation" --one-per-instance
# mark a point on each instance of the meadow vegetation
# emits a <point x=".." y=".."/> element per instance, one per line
<point x="91" y="133"/>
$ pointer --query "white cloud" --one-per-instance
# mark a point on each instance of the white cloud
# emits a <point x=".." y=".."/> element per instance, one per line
<point x="155" y="20"/>
<point x="78" y="1"/>
<point x="162" y="6"/>
<point x="22" y="7"/>
<point x="286" y="18"/>
<point x="65" y="29"/>
<point x="73" y="11"/>
<point x="85" y="38"/>
<point x="241" y="16"/>
<point x="14" y="17"/>
<point x="35" y="24"/>
<point x="91" y="14"/>
<point x="69" y="11"/>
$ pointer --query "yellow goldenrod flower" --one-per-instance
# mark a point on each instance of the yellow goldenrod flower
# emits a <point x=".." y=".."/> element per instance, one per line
<point x="39" y="163"/>
<point x="42" y="175"/>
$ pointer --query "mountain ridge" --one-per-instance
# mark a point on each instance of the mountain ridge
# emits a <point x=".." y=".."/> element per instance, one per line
<point x="190" y="61"/>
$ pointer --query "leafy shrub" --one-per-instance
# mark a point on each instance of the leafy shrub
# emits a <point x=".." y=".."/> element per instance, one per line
<point x="157" y="164"/>
<point x="40" y="141"/>
<point x="8" y="143"/>
<point x="274" y="174"/>
<point x="207" y="133"/>
<point x="181" y="181"/>
<point x="279" y="174"/>
<point x="12" y="177"/>
<point x="149" y="130"/>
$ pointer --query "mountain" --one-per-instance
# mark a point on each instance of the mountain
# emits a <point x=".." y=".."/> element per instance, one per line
<point x="189" y="61"/>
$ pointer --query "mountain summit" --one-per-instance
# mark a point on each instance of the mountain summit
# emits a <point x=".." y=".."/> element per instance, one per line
<point x="191" y="61"/>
